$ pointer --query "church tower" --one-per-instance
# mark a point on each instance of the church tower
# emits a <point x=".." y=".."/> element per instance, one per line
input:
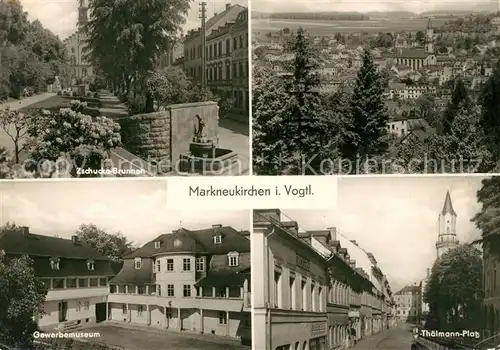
<point x="83" y="13"/>
<point x="429" y="38"/>
<point x="447" y="238"/>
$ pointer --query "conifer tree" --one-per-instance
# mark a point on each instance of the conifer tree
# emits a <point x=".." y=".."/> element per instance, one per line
<point x="459" y="99"/>
<point x="304" y="106"/>
<point x="368" y="137"/>
<point x="490" y="119"/>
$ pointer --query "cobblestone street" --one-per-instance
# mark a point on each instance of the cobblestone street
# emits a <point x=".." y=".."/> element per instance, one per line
<point x="398" y="338"/>
<point x="142" y="338"/>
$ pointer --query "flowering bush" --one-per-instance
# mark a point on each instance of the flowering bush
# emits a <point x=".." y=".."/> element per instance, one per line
<point x="71" y="138"/>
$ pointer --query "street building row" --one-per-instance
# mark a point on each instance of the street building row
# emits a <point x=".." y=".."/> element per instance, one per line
<point x="317" y="287"/>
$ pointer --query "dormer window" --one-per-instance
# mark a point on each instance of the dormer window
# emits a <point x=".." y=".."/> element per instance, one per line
<point x="137" y="263"/>
<point x="54" y="263"/>
<point x="157" y="245"/>
<point x="90" y="265"/>
<point x="217" y="239"/>
<point x="233" y="259"/>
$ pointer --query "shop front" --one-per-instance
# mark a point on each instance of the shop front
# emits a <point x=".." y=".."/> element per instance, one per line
<point x="298" y="331"/>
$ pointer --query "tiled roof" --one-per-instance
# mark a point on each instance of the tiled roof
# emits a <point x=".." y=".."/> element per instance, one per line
<point x="72" y="256"/>
<point x="448" y="206"/>
<point x="130" y="275"/>
<point x="19" y="242"/>
<point x="409" y="289"/>
<point x="410" y="53"/>
<point x="196" y="241"/>
<point x="223" y="279"/>
<point x="231" y="13"/>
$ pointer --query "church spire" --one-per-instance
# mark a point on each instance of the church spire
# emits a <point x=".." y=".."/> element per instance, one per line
<point x="429" y="24"/>
<point x="448" y="206"/>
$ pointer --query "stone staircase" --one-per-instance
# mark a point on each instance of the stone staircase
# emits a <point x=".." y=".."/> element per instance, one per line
<point x="71" y="326"/>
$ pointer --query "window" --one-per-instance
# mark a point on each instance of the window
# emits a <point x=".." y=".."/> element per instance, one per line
<point x="103" y="282"/>
<point x="54" y="263"/>
<point x="170" y="290"/>
<point x="233" y="259"/>
<point x="218" y="239"/>
<point x="86" y="305"/>
<point x="200" y="264"/>
<point x="168" y="313"/>
<point x="186" y="291"/>
<point x="90" y="265"/>
<point x="137" y="263"/>
<point x="186" y="264"/>
<point x="170" y="264"/>
<point x="222" y="317"/>
<point x="83" y="282"/>
<point x="158" y="289"/>
<point x="71" y="283"/>
<point x="124" y="309"/>
<point x="140" y="310"/>
<point x="157" y="245"/>
<point x="78" y="306"/>
<point x="158" y="265"/>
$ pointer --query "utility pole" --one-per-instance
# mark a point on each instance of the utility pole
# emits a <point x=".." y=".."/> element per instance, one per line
<point x="203" y="16"/>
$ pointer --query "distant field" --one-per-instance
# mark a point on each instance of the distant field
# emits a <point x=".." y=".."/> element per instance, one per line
<point x="318" y="28"/>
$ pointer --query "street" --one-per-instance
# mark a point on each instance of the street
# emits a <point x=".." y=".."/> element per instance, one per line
<point x="398" y="338"/>
<point x="234" y="135"/>
<point x="146" y="338"/>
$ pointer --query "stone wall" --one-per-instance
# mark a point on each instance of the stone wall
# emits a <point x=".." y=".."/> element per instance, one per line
<point x="164" y="136"/>
<point x="147" y="135"/>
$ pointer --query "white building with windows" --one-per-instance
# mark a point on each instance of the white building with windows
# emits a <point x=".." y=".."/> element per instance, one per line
<point x="75" y="274"/>
<point x="196" y="281"/>
<point x="80" y="69"/>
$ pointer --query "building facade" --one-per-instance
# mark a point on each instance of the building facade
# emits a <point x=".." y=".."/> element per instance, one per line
<point x="81" y="71"/>
<point x="408" y="303"/>
<point x="197" y="281"/>
<point x="76" y="276"/>
<point x="312" y="294"/>
<point x="226" y="53"/>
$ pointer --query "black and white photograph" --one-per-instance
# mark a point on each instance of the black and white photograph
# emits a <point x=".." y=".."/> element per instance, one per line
<point x="98" y="264"/>
<point x="124" y="89"/>
<point x="375" y="87"/>
<point x="403" y="263"/>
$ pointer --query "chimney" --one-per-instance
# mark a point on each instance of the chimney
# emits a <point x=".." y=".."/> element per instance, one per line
<point x="333" y="233"/>
<point x="74" y="239"/>
<point x="228" y="6"/>
<point x="25" y="230"/>
<point x="353" y="241"/>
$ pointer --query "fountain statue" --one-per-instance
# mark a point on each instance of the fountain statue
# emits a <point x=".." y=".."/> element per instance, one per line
<point x="57" y="84"/>
<point x="204" y="156"/>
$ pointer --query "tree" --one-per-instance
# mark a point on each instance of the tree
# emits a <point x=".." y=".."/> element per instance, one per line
<point x="420" y="37"/>
<point x="464" y="147"/>
<point x="22" y="296"/>
<point x="79" y="139"/>
<point x="455" y="290"/>
<point x="427" y="109"/>
<point x="269" y="105"/>
<point x="459" y="98"/>
<point x="368" y="110"/>
<point x="114" y="246"/>
<point x="487" y="218"/>
<point x="306" y="138"/>
<point x="14" y="124"/>
<point x="141" y="31"/>
<point x="490" y="102"/>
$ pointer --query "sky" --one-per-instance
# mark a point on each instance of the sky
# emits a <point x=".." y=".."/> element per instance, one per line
<point x="137" y="209"/>
<point x="417" y="6"/>
<point x="396" y="219"/>
<point x="60" y="16"/>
